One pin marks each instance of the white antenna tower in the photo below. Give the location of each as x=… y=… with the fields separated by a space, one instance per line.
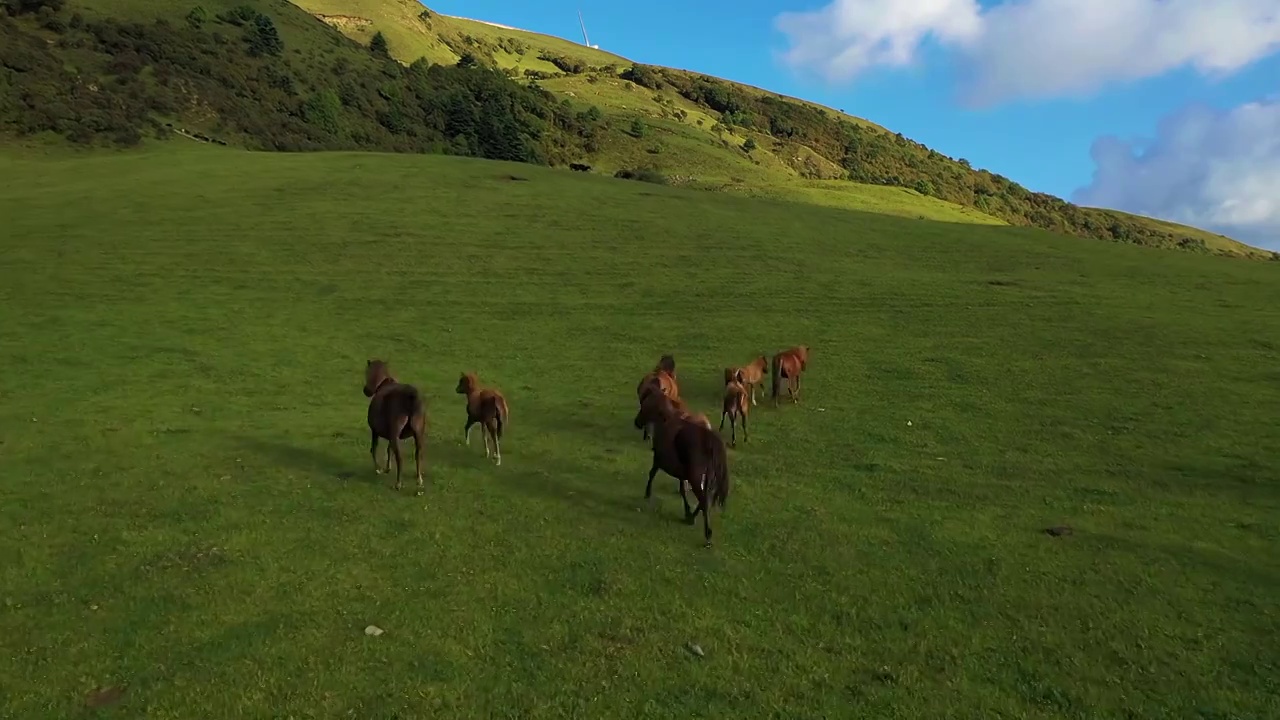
x=585 y=40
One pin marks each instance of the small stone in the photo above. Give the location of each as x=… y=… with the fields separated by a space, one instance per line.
x=1059 y=530
x=908 y=423
x=373 y=631
x=696 y=650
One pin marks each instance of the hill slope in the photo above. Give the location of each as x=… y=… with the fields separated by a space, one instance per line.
x=264 y=74
x=706 y=121
x=189 y=509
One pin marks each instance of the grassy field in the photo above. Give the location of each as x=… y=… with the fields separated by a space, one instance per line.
x=190 y=513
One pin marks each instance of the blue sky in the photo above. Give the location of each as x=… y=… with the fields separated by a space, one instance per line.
x=1178 y=101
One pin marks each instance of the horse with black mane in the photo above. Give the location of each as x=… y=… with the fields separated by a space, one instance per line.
x=686 y=448
x=397 y=411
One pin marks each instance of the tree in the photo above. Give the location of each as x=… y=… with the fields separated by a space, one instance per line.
x=638 y=128
x=749 y=145
x=263 y=38
x=378 y=45
x=197 y=17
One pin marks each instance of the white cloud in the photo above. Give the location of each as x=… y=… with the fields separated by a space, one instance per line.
x=1209 y=168
x=1035 y=48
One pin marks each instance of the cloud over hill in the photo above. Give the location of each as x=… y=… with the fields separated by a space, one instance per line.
x=1035 y=48
x=1205 y=167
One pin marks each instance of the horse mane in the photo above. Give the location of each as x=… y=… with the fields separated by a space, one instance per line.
x=667 y=364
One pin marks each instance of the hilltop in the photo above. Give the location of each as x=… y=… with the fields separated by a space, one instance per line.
x=307 y=79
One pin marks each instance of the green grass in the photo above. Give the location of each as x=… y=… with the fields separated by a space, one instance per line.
x=189 y=509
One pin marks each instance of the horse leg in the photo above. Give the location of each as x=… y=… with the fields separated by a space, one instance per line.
x=373 y=451
x=648 y=488
x=466 y=431
x=418 y=439
x=388 y=457
x=722 y=414
x=396 y=429
x=744 y=427
x=706 y=517
x=753 y=393
x=497 y=447
x=689 y=514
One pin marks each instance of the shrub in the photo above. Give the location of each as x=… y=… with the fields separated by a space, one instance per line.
x=643 y=175
x=378 y=45
x=638 y=128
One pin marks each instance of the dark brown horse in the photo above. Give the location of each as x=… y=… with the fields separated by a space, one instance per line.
x=396 y=412
x=486 y=406
x=735 y=407
x=752 y=375
x=789 y=365
x=692 y=453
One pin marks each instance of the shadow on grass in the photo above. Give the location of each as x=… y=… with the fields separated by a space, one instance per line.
x=320 y=462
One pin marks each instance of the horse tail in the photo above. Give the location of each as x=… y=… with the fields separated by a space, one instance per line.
x=503 y=415
x=417 y=403
x=717 y=468
x=774 y=372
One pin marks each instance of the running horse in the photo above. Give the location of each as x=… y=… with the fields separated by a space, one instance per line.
x=488 y=407
x=686 y=448
x=661 y=380
x=397 y=411
x=752 y=375
x=735 y=406
x=789 y=365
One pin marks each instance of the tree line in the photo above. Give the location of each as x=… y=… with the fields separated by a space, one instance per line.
x=234 y=70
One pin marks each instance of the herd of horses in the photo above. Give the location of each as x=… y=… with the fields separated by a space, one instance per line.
x=684 y=444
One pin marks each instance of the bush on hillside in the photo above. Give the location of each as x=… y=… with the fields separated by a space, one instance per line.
x=643 y=175
x=22 y=7
x=378 y=45
x=873 y=156
x=643 y=76
x=245 y=91
x=573 y=66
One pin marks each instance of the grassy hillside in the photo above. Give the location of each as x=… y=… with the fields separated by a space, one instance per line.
x=189 y=511
x=700 y=134
x=304 y=78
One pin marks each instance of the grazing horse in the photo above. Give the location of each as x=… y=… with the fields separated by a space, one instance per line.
x=735 y=407
x=486 y=406
x=788 y=365
x=692 y=453
x=396 y=412
x=752 y=375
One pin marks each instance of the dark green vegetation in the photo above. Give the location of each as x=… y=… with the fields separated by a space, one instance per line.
x=190 y=512
x=230 y=75
x=265 y=75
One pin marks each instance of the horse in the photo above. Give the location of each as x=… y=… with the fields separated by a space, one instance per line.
x=788 y=365
x=735 y=407
x=662 y=379
x=667 y=364
x=397 y=411
x=752 y=375
x=692 y=453
x=486 y=406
